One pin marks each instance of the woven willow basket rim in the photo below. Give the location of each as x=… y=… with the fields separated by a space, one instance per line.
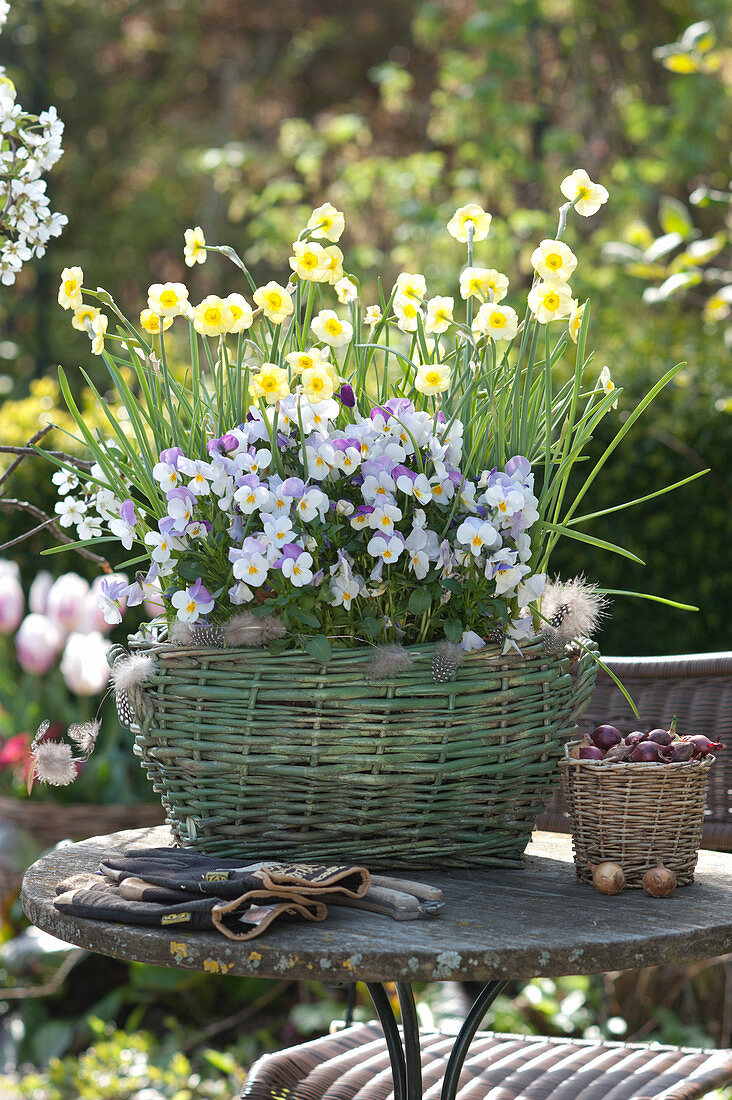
x=631 y=767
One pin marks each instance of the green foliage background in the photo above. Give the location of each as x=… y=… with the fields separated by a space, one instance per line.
x=239 y=118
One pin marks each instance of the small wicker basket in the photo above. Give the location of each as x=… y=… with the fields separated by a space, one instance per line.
x=636 y=815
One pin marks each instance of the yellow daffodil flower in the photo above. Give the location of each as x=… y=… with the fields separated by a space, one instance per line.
x=270 y=383
x=168 y=299
x=154 y=324
x=590 y=196
x=474 y=215
x=241 y=312
x=274 y=301
x=326 y=221
x=575 y=319
x=411 y=286
x=553 y=260
x=99 y=331
x=82 y=315
x=372 y=316
x=498 y=322
x=212 y=317
x=304 y=360
x=329 y=328
x=335 y=263
x=432 y=378
x=482 y=282
x=439 y=315
x=195 y=246
x=310 y=261
x=407 y=313
x=346 y=290
x=317 y=384
x=550 y=301
x=69 y=293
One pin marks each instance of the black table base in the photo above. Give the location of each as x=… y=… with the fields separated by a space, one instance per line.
x=404 y=1047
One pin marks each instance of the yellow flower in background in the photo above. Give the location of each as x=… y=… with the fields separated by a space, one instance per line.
x=575 y=319
x=69 y=293
x=241 y=312
x=407 y=313
x=550 y=301
x=498 y=322
x=317 y=384
x=432 y=378
x=554 y=260
x=346 y=290
x=270 y=383
x=195 y=246
x=335 y=263
x=167 y=299
x=274 y=301
x=310 y=261
x=474 y=215
x=329 y=328
x=154 y=324
x=326 y=221
x=590 y=196
x=607 y=384
x=99 y=331
x=372 y=316
x=212 y=317
x=719 y=306
x=480 y=282
x=439 y=314
x=411 y=286
x=82 y=315
x=304 y=360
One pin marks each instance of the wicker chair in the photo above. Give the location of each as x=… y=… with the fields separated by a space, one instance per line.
x=697 y=689
x=354 y=1065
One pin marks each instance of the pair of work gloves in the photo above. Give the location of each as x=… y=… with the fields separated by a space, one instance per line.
x=171 y=887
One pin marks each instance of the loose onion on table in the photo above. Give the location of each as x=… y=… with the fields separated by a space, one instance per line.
x=659 y=882
x=608 y=878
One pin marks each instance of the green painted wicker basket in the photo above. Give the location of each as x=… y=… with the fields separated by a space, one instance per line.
x=282 y=757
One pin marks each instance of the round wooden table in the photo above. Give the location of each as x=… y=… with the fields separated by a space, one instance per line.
x=497 y=925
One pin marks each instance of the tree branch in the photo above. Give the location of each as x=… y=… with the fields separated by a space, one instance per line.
x=48 y=522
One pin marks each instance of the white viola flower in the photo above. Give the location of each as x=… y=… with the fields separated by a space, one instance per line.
x=388 y=548
x=471 y=642
x=297 y=570
x=256 y=463
x=418 y=487
x=312 y=503
x=163 y=542
x=378 y=488
x=199 y=472
x=505 y=501
x=197 y=529
x=344 y=508
x=478 y=535
x=252 y=498
x=523 y=546
x=192 y=602
x=252 y=569
x=124 y=526
x=416 y=545
x=240 y=593
x=317 y=415
x=531 y=589
x=109 y=595
x=467 y=496
x=166 y=476
x=277 y=529
x=506 y=571
x=348 y=461
x=70 y=511
x=384 y=516
x=180 y=508
x=65 y=481
x=443 y=489
x=320 y=460
x=344 y=590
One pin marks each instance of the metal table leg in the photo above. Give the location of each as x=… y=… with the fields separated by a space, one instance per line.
x=404 y=1047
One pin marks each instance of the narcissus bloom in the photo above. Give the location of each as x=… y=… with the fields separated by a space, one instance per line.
x=498 y=322
x=329 y=328
x=154 y=324
x=326 y=221
x=411 y=286
x=317 y=384
x=241 y=312
x=99 y=331
x=335 y=263
x=82 y=315
x=407 y=313
x=167 y=299
x=274 y=301
x=304 y=360
x=608 y=386
x=432 y=378
x=575 y=320
x=474 y=215
x=481 y=282
x=372 y=316
x=69 y=293
x=554 y=260
x=195 y=246
x=439 y=314
x=310 y=261
x=550 y=301
x=590 y=196
x=212 y=317
x=346 y=290
x=270 y=383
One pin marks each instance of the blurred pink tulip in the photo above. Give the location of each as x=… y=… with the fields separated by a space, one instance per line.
x=12 y=603
x=84 y=663
x=37 y=644
x=66 y=601
x=39 y=589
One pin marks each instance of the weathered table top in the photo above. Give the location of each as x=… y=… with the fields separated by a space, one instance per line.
x=495 y=924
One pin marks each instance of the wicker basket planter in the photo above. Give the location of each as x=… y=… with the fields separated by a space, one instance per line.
x=281 y=757
x=636 y=815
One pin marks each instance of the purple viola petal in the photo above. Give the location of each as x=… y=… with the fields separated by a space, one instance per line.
x=292 y=550
x=364 y=510
x=379 y=410
x=318 y=577
x=127 y=512
x=182 y=493
x=518 y=466
x=166 y=525
x=403 y=471
x=135 y=594
x=292 y=487
x=344 y=444
x=171 y=456
x=250 y=480
x=199 y=592
x=113 y=588
x=455 y=477
x=347 y=396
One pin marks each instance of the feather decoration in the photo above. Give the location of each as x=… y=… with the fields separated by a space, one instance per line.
x=388 y=661
x=571 y=609
x=132 y=672
x=246 y=629
x=446 y=661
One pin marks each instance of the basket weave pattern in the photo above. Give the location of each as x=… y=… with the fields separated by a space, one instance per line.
x=265 y=756
x=636 y=815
